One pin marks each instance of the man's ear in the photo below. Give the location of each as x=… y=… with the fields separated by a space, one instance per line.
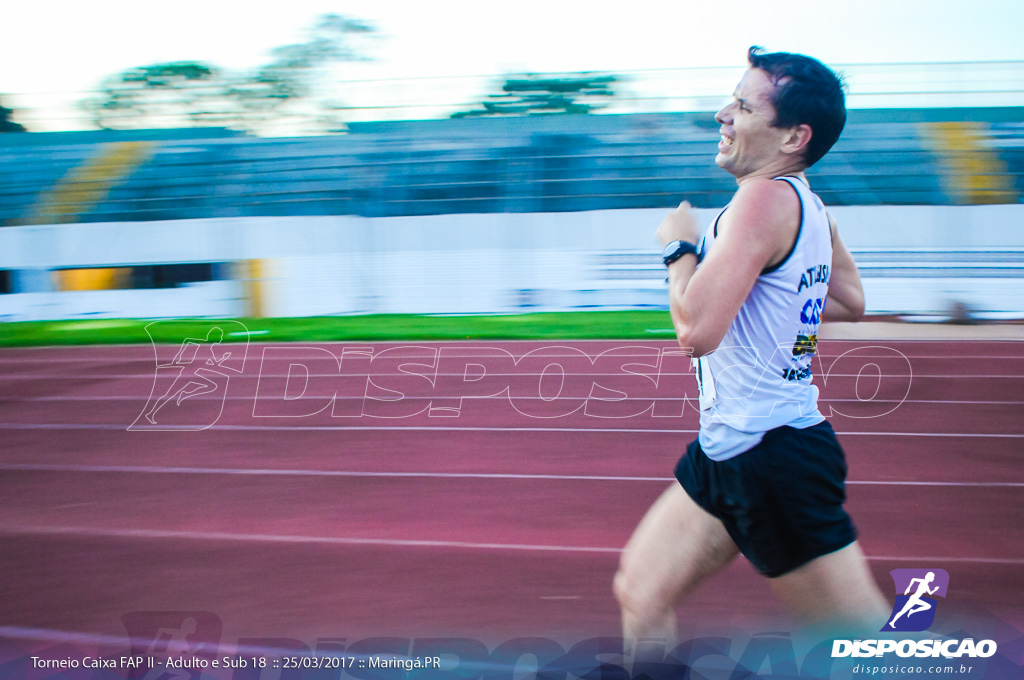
x=798 y=138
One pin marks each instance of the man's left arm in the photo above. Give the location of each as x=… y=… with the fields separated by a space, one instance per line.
x=845 y=300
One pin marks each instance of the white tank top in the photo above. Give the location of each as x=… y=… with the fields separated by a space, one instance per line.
x=759 y=378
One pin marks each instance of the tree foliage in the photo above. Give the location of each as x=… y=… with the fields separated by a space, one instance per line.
x=146 y=96
x=6 y=124
x=287 y=89
x=295 y=71
x=534 y=95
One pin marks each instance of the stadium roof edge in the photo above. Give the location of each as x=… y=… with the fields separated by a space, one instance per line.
x=99 y=136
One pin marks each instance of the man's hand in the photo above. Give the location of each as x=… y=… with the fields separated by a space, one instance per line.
x=680 y=225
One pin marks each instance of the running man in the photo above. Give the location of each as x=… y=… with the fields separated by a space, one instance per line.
x=916 y=604
x=192 y=381
x=766 y=476
x=169 y=643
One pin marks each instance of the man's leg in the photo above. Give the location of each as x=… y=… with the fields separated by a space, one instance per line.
x=676 y=546
x=836 y=590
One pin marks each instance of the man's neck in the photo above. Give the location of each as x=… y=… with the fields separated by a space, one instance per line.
x=771 y=172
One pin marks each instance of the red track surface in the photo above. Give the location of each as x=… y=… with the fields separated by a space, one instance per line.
x=492 y=524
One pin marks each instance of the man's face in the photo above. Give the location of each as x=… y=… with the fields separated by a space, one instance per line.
x=749 y=142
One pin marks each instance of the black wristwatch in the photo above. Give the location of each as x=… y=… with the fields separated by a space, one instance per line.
x=676 y=249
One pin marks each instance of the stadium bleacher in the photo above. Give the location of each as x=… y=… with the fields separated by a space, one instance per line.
x=494 y=166
x=529 y=164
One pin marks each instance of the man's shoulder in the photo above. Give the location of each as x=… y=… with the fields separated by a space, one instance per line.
x=767 y=193
x=764 y=204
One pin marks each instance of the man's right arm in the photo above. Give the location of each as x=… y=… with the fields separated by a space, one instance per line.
x=845 y=292
x=758 y=229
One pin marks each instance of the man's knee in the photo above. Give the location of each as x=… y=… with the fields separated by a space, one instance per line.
x=633 y=589
x=621 y=585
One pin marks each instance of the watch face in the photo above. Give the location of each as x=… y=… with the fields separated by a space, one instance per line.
x=670 y=248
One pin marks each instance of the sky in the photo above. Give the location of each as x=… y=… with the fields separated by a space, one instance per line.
x=65 y=47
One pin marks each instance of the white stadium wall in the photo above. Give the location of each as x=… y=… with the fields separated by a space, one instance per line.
x=914 y=260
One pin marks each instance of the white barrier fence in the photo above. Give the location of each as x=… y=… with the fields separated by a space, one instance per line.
x=914 y=259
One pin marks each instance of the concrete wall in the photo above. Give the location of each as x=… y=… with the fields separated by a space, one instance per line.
x=914 y=259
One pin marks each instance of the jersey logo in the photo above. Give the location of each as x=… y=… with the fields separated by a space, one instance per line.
x=794 y=374
x=813 y=275
x=805 y=344
x=811 y=313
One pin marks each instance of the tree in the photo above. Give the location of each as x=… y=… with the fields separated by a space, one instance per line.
x=152 y=96
x=293 y=75
x=286 y=89
x=6 y=124
x=533 y=95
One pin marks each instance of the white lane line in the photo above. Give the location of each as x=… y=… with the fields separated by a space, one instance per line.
x=34 y=467
x=179 y=648
x=504 y=397
x=390 y=542
x=274 y=472
x=279 y=538
x=256 y=375
x=560 y=597
x=933 y=560
x=434 y=428
x=333 y=428
x=255 y=353
x=964 y=484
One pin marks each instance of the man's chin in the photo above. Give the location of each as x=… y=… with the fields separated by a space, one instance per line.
x=724 y=163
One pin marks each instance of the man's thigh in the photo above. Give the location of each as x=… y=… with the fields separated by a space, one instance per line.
x=837 y=589
x=676 y=545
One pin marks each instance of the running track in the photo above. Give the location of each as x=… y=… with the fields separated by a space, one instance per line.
x=490 y=524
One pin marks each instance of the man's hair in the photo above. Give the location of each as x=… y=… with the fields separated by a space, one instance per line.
x=806 y=92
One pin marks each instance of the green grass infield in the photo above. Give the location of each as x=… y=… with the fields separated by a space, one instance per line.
x=645 y=324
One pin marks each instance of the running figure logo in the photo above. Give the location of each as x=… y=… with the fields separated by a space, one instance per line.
x=201 y=366
x=162 y=635
x=914 y=610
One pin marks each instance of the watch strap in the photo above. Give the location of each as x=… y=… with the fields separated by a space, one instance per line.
x=676 y=249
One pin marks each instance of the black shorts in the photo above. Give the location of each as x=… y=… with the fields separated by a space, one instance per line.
x=781 y=501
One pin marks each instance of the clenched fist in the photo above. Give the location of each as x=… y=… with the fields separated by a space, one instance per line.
x=680 y=225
